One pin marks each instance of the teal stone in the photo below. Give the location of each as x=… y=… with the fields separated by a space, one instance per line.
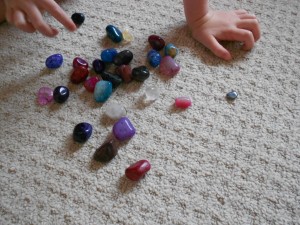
x=171 y=50
x=103 y=90
x=114 y=33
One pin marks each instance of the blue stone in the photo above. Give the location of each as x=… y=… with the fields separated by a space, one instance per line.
x=154 y=58
x=54 y=61
x=108 y=55
x=171 y=50
x=103 y=90
x=98 y=66
x=61 y=94
x=232 y=95
x=82 y=132
x=114 y=33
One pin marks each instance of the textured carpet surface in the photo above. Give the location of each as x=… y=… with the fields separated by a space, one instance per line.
x=214 y=163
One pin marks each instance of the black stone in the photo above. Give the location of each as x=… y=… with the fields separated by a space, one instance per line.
x=231 y=95
x=106 y=152
x=78 y=18
x=113 y=78
x=123 y=58
x=99 y=66
x=140 y=73
x=61 y=94
x=82 y=132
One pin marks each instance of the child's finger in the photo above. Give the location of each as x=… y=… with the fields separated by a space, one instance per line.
x=251 y=25
x=20 y=22
x=244 y=36
x=241 y=11
x=247 y=16
x=58 y=13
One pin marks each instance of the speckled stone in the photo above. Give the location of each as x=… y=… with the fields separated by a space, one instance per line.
x=54 y=61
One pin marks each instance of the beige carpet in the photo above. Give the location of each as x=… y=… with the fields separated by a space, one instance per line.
x=214 y=163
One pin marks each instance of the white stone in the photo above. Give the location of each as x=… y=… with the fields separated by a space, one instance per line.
x=151 y=93
x=115 y=111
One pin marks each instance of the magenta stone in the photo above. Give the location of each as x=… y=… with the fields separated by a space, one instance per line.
x=90 y=83
x=168 y=66
x=45 y=95
x=123 y=129
x=183 y=102
x=80 y=62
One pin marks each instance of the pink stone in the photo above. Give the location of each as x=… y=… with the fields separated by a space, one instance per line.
x=183 y=102
x=90 y=83
x=168 y=66
x=45 y=96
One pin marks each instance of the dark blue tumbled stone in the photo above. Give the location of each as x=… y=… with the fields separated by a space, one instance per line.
x=82 y=132
x=54 y=61
x=78 y=18
x=114 y=33
x=61 y=94
x=232 y=95
x=108 y=55
x=140 y=73
x=123 y=58
x=98 y=66
x=154 y=58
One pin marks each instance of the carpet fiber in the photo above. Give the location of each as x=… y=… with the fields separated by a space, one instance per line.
x=214 y=163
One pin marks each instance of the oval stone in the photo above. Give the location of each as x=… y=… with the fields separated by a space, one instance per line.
x=125 y=72
x=168 y=66
x=82 y=132
x=80 y=62
x=156 y=42
x=114 y=33
x=90 y=83
x=140 y=73
x=113 y=78
x=123 y=58
x=232 y=95
x=79 y=75
x=103 y=91
x=98 y=66
x=106 y=152
x=78 y=18
x=154 y=58
x=54 y=61
x=108 y=55
x=138 y=170
x=183 y=102
x=171 y=50
x=61 y=94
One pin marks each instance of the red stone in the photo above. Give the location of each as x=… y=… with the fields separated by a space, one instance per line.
x=125 y=72
x=79 y=62
x=138 y=170
x=156 y=42
x=79 y=75
x=183 y=102
x=90 y=83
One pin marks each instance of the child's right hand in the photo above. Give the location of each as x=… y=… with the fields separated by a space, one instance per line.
x=27 y=16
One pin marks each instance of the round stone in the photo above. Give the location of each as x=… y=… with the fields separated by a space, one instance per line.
x=140 y=73
x=98 y=66
x=115 y=111
x=154 y=58
x=61 y=94
x=82 y=132
x=171 y=50
x=54 y=61
x=183 y=102
x=114 y=33
x=80 y=62
x=103 y=91
x=151 y=93
x=108 y=55
x=106 y=152
x=168 y=66
x=138 y=170
x=78 y=18
x=123 y=58
x=90 y=83
x=156 y=42
x=45 y=95
x=79 y=75
x=232 y=95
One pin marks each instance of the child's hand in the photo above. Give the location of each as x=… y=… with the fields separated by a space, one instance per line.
x=216 y=26
x=26 y=15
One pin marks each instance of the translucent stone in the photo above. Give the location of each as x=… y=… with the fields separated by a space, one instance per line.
x=127 y=37
x=183 y=102
x=168 y=66
x=115 y=111
x=45 y=95
x=151 y=93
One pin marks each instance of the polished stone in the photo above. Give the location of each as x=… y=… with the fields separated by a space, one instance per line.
x=80 y=62
x=140 y=73
x=108 y=55
x=152 y=93
x=115 y=80
x=79 y=75
x=115 y=111
x=114 y=33
x=232 y=95
x=123 y=58
x=61 y=94
x=168 y=66
x=156 y=42
x=103 y=91
x=78 y=18
x=154 y=58
x=123 y=129
x=45 y=95
x=90 y=83
x=106 y=152
x=171 y=50
x=82 y=132
x=125 y=72
x=54 y=61
x=98 y=66
x=183 y=102
x=137 y=170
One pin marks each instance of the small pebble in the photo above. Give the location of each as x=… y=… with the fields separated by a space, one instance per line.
x=123 y=129
x=115 y=111
x=114 y=33
x=106 y=152
x=45 y=95
x=140 y=73
x=80 y=62
x=113 y=78
x=125 y=72
x=103 y=91
x=79 y=75
x=232 y=95
x=151 y=93
x=78 y=18
x=156 y=42
x=98 y=66
x=127 y=37
x=154 y=58
x=171 y=50
x=168 y=66
x=54 y=61
x=138 y=170
x=123 y=58
x=108 y=55
x=183 y=102
x=82 y=132
x=61 y=94
x=90 y=83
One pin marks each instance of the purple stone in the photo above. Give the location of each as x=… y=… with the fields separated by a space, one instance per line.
x=45 y=95
x=123 y=129
x=168 y=66
x=54 y=61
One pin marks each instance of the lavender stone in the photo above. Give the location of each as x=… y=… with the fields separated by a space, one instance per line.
x=123 y=129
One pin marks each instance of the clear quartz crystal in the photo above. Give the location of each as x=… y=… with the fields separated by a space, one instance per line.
x=127 y=37
x=115 y=111
x=151 y=93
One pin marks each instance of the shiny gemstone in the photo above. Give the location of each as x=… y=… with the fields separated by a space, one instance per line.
x=103 y=90
x=138 y=170
x=123 y=129
x=45 y=95
x=171 y=50
x=78 y=18
x=106 y=152
x=98 y=66
x=156 y=42
x=79 y=75
x=113 y=78
x=232 y=95
x=61 y=94
x=123 y=58
x=115 y=111
x=151 y=93
x=80 y=62
x=140 y=73
x=183 y=102
x=54 y=61
x=124 y=71
x=168 y=66
x=82 y=132
x=108 y=55
x=154 y=58
x=90 y=83
x=114 y=33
